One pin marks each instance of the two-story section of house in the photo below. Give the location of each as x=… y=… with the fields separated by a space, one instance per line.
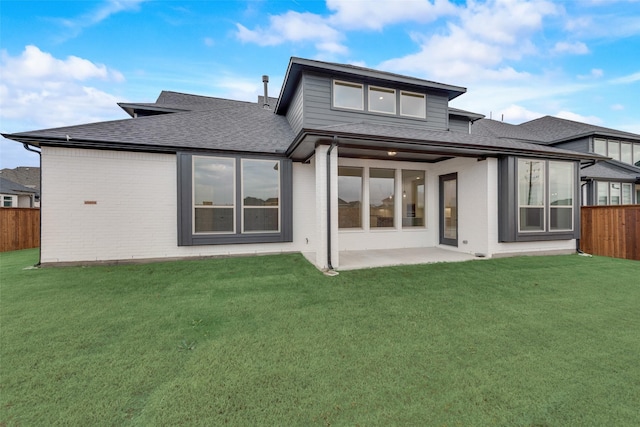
x=346 y=158
x=614 y=181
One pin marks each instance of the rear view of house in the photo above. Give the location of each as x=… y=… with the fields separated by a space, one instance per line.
x=345 y=158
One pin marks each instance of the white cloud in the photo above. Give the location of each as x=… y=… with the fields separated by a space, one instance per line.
x=617 y=107
x=99 y=14
x=516 y=114
x=39 y=90
x=480 y=44
x=578 y=117
x=34 y=64
x=374 y=15
x=631 y=78
x=575 y=48
x=294 y=27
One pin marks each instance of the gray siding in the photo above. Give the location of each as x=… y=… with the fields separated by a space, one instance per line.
x=319 y=113
x=459 y=124
x=581 y=145
x=295 y=112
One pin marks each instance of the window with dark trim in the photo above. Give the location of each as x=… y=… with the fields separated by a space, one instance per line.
x=538 y=200
x=226 y=199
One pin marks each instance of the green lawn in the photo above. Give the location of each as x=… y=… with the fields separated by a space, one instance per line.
x=271 y=341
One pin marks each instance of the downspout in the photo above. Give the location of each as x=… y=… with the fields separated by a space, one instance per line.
x=39 y=153
x=334 y=143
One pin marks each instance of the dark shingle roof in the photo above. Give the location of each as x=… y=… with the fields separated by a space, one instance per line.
x=494 y=128
x=229 y=126
x=453 y=139
x=553 y=129
x=28 y=176
x=611 y=170
x=9 y=187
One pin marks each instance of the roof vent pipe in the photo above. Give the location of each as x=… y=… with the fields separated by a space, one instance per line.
x=265 y=102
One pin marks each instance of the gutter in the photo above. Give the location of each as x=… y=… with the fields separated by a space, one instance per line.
x=39 y=153
x=334 y=144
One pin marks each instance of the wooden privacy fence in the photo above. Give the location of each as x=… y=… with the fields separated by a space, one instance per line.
x=611 y=231
x=19 y=228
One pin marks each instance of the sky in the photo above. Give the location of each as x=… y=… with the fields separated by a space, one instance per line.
x=69 y=62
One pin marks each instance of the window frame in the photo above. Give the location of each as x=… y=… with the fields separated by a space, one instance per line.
x=244 y=206
x=415 y=95
x=390 y=91
x=349 y=84
x=508 y=203
x=185 y=206
x=195 y=207
x=361 y=212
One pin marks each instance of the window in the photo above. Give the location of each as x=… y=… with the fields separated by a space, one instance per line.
x=413 y=198
x=603 y=193
x=382 y=100
x=627 y=194
x=614 y=149
x=600 y=146
x=213 y=195
x=230 y=199
x=535 y=195
x=531 y=194
x=614 y=193
x=349 y=197
x=538 y=200
x=7 y=201
x=348 y=95
x=561 y=193
x=413 y=105
x=636 y=154
x=381 y=197
x=626 y=154
x=260 y=195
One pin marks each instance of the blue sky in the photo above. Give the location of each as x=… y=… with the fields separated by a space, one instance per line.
x=69 y=62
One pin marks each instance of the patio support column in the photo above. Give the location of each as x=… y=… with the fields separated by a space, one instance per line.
x=322 y=225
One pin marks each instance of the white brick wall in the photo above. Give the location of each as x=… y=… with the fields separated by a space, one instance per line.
x=107 y=205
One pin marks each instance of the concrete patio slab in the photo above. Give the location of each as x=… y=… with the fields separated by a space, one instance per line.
x=354 y=260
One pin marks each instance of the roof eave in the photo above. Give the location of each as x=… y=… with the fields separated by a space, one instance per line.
x=451 y=148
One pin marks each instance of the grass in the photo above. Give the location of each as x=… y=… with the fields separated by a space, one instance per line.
x=271 y=341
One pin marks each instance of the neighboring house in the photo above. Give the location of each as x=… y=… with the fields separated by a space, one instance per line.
x=14 y=195
x=346 y=158
x=25 y=176
x=615 y=181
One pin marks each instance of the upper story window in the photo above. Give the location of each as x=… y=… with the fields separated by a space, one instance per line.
x=626 y=152
x=413 y=104
x=382 y=100
x=348 y=95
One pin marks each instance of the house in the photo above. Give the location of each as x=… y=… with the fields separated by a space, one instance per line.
x=14 y=195
x=614 y=181
x=20 y=187
x=346 y=158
